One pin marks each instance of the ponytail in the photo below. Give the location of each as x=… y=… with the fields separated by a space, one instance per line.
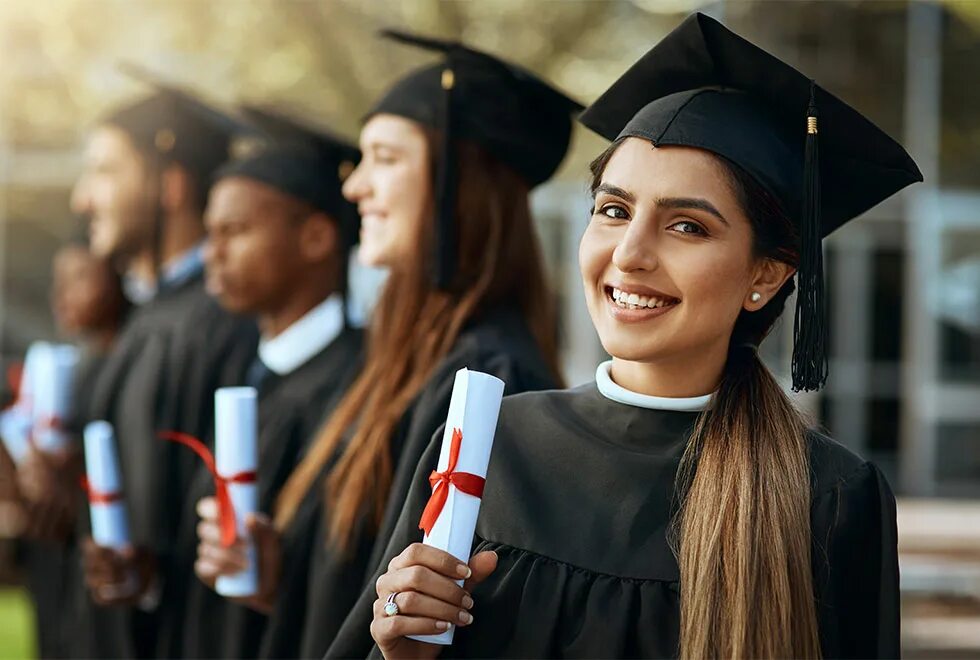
x=743 y=528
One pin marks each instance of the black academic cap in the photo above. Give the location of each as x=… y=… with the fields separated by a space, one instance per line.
x=306 y=162
x=704 y=86
x=513 y=114
x=176 y=125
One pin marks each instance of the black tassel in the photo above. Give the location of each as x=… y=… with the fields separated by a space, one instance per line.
x=445 y=234
x=810 y=326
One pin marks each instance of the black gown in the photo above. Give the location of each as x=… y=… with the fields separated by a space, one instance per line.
x=319 y=584
x=291 y=406
x=578 y=500
x=173 y=352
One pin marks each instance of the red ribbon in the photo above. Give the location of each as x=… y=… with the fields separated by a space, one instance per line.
x=15 y=378
x=50 y=423
x=464 y=482
x=99 y=497
x=226 y=510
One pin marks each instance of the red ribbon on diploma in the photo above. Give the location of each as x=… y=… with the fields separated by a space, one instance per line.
x=464 y=482
x=49 y=423
x=226 y=510
x=98 y=497
x=15 y=378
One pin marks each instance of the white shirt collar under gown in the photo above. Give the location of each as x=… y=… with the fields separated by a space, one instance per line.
x=306 y=337
x=614 y=392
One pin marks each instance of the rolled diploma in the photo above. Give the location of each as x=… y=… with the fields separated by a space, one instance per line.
x=52 y=384
x=236 y=450
x=110 y=527
x=473 y=409
x=16 y=422
x=15 y=429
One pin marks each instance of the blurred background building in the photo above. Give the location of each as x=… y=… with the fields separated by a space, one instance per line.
x=904 y=280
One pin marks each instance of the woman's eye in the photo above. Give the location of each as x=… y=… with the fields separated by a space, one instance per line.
x=614 y=211
x=687 y=227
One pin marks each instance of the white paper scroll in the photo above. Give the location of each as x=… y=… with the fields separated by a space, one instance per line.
x=52 y=383
x=16 y=423
x=473 y=410
x=236 y=452
x=110 y=527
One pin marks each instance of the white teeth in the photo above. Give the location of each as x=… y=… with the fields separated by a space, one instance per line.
x=636 y=301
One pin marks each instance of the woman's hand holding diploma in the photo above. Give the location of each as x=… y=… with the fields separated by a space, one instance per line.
x=428 y=598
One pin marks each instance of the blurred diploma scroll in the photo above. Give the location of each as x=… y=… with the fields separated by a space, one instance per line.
x=468 y=437
x=110 y=527
x=52 y=385
x=17 y=421
x=236 y=457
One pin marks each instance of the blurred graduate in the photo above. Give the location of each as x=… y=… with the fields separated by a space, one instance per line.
x=89 y=308
x=147 y=172
x=279 y=233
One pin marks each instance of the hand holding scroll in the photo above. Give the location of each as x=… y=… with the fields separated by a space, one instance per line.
x=429 y=599
x=214 y=558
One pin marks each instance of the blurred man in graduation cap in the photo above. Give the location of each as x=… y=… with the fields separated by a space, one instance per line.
x=147 y=171
x=279 y=232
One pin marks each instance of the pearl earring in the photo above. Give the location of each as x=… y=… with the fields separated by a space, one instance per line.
x=755 y=297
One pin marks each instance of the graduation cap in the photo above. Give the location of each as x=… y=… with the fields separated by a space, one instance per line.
x=517 y=117
x=176 y=125
x=305 y=162
x=704 y=86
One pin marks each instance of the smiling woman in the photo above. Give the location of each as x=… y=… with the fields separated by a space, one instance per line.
x=659 y=234
x=680 y=505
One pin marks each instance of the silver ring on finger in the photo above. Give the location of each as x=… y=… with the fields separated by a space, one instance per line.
x=391 y=607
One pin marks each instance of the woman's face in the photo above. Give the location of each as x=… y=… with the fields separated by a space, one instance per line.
x=667 y=258
x=392 y=187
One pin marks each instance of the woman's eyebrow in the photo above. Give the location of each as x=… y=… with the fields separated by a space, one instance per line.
x=610 y=189
x=691 y=203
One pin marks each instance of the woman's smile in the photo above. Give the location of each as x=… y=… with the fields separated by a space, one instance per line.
x=634 y=305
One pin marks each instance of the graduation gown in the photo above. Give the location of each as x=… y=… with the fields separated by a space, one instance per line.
x=291 y=406
x=319 y=583
x=577 y=504
x=173 y=352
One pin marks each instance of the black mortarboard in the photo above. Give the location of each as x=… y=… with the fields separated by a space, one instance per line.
x=176 y=125
x=513 y=114
x=704 y=86
x=306 y=162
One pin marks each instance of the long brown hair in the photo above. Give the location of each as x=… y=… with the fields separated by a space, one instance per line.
x=415 y=326
x=742 y=528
